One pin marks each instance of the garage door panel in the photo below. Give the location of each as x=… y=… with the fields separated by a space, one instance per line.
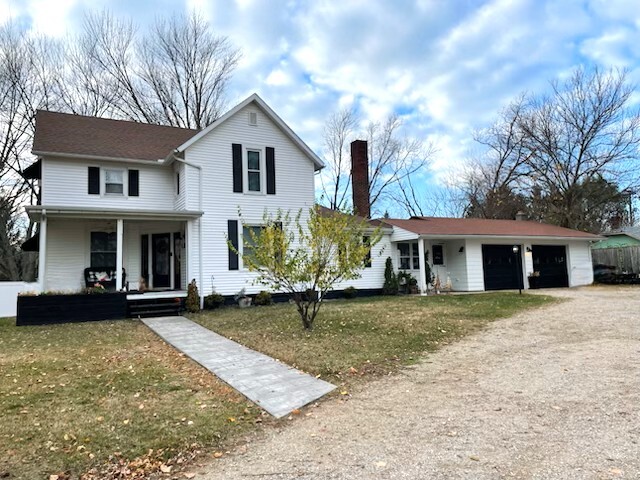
x=551 y=262
x=500 y=267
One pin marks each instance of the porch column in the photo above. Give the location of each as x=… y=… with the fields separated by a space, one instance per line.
x=119 y=235
x=42 y=253
x=422 y=281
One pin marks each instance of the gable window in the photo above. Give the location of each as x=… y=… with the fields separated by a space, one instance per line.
x=409 y=259
x=103 y=249
x=114 y=181
x=254 y=181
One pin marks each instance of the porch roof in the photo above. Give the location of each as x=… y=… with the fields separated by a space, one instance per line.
x=36 y=212
x=440 y=227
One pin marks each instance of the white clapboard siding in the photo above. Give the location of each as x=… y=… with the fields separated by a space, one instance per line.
x=294 y=192
x=372 y=277
x=67 y=247
x=65 y=183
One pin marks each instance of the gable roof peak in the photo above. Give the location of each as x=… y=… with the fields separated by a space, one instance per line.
x=266 y=109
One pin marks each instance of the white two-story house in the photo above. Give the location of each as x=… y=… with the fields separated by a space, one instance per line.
x=160 y=203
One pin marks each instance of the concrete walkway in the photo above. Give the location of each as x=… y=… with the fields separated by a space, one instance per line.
x=272 y=385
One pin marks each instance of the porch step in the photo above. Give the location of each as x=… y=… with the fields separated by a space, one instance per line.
x=154 y=307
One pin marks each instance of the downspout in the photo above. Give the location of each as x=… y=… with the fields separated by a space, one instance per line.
x=201 y=279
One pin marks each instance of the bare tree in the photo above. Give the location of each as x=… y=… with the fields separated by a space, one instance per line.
x=335 y=180
x=395 y=161
x=175 y=74
x=557 y=148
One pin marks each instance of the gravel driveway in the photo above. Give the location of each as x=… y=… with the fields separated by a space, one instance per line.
x=551 y=393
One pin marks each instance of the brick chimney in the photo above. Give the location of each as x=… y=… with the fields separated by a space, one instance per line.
x=521 y=216
x=360 y=178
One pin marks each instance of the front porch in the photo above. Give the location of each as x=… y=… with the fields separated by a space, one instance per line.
x=136 y=252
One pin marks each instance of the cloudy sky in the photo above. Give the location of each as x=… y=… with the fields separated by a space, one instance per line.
x=446 y=66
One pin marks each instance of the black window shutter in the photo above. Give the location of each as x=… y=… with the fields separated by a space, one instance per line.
x=236 y=150
x=271 y=171
x=232 y=235
x=94 y=181
x=134 y=183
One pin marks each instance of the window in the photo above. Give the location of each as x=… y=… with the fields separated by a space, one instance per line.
x=254 y=182
x=367 y=259
x=438 y=255
x=114 y=181
x=253 y=118
x=409 y=258
x=248 y=240
x=103 y=250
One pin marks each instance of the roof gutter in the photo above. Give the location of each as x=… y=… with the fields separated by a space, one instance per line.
x=505 y=237
x=94 y=157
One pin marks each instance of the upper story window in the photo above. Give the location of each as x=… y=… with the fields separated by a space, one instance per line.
x=114 y=181
x=254 y=174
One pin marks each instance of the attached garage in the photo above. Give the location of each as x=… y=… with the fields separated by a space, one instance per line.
x=551 y=263
x=476 y=254
x=502 y=268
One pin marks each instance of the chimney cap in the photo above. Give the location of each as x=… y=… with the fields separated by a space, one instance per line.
x=520 y=216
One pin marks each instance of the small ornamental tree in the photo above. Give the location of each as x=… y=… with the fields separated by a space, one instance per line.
x=306 y=259
x=192 y=304
x=390 y=286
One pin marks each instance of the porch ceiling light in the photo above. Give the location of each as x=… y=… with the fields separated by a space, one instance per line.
x=516 y=248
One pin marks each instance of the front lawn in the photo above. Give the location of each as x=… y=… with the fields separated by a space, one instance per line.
x=355 y=338
x=111 y=396
x=74 y=395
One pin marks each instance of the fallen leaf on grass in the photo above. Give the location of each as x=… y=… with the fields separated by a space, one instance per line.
x=165 y=468
x=217 y=455
x=188 y=475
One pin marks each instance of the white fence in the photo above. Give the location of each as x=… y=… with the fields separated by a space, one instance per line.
x=9 y=296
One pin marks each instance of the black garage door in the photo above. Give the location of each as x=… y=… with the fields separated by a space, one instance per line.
x=500 y=266
x=551 y=262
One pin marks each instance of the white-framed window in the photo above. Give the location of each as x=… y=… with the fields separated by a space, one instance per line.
x=103 y=250
x=409 y=258
x=254 y=171
x=114 y=181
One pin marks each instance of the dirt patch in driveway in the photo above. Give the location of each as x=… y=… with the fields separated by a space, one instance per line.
x=551 y=393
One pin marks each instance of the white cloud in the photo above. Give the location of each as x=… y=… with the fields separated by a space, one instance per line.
x=449 y=67
x=50 y=18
